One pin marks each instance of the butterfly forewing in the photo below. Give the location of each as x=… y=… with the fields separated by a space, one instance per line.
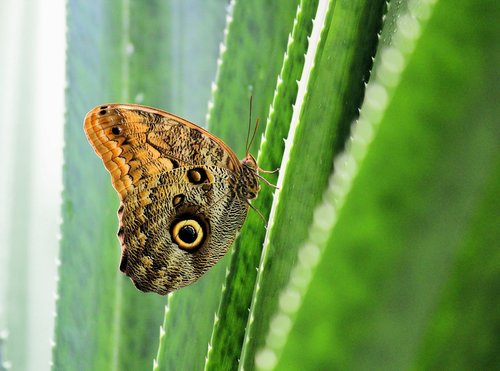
x=137 y=141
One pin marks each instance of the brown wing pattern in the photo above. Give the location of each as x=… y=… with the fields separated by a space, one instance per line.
x=184 y=194
x=150 y=255
x=137 y=141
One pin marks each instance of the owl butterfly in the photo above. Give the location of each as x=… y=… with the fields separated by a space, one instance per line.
x=184 y=194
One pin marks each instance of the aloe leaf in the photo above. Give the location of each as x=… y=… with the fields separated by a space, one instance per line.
x=94 y=296
x=348 y=41
x=410 y=269
x=251 y=58
x=229 y=328
x=118 y=51
x=463 y=334
x=88 y=251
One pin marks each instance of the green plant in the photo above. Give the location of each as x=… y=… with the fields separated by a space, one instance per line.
x=384 y=258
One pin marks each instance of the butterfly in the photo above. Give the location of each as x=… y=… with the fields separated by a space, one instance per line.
x=184 y=195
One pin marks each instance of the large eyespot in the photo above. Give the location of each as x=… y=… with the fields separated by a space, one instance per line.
x=116 y=130
x=188 y=234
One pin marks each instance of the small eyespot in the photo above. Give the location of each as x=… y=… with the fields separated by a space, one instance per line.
x=187 y=234
x=197 y=175
x=178 y=200
x=116 y=130
x=104 y=107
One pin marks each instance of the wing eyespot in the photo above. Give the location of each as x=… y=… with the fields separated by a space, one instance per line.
x=178 y=200
x=116 y=130
x=197 y=175
x=188 y=233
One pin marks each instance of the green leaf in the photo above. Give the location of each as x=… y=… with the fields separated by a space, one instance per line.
x=89 y=251
x=232 y=316
x=410 y=270
x=342 y=61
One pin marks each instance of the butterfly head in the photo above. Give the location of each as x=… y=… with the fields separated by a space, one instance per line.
x=250 y=162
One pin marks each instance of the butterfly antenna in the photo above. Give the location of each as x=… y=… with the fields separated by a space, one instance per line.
x=249 y=142
x=249 y=123
x=254 y=132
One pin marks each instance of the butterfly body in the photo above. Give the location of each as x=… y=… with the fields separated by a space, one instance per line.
x=184 y=194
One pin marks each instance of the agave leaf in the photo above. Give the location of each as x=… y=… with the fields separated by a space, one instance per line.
x=232 y=316
x=343 y=42
x=409 y=268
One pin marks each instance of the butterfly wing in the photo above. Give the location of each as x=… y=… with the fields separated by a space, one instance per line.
x=172 y=230
x=179 y=211
x=135 y=142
